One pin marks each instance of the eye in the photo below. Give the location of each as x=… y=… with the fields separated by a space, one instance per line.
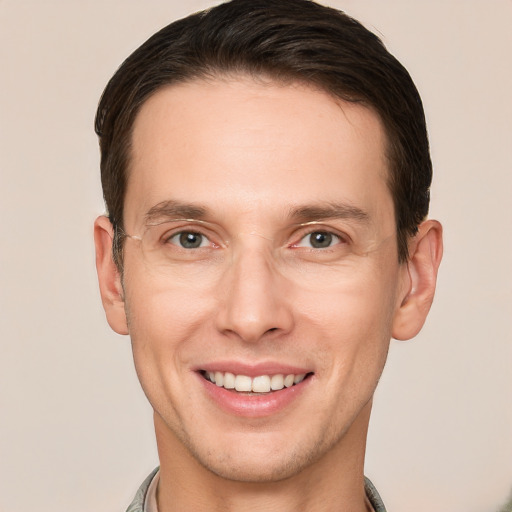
x=319 y=240
x=189 y=240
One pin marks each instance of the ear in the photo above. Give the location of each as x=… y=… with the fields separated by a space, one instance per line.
x=109 y=277
x=420 y=275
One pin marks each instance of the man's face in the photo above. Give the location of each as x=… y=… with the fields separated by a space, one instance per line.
x=279 y=258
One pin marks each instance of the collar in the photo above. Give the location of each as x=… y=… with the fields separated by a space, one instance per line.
x=145 y=498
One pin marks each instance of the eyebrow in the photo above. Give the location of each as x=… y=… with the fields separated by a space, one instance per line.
x=174 y=209
x=313 y=213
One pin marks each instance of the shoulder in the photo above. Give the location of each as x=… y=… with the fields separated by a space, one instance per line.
x=137 y=505
x=373 y=496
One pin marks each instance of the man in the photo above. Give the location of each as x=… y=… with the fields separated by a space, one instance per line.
x=266 y=171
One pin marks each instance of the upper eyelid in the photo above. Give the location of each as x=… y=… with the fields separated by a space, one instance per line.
x=171 y=233
x=187 y=225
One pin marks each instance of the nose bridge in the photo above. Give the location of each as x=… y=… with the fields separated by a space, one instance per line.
x=254 y=292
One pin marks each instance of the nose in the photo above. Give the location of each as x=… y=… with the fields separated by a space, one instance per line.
x=255 y=302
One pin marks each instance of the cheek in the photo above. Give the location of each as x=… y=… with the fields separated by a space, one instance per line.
x=162 y=317
x=352 y=321
x=162 y=321
x=353 y=299
x=161 y=306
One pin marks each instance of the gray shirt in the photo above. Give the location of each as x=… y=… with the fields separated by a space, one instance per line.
x=139 y=502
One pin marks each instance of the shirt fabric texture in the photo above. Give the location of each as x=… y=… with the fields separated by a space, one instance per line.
x=145 y=499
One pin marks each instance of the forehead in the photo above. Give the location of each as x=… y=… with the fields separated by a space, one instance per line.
x=253 y=147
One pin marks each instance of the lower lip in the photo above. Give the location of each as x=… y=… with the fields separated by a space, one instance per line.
x=256 y=405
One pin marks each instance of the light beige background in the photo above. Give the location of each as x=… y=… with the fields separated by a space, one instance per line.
x=75 y=429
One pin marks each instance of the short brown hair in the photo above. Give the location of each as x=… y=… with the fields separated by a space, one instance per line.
x=288 y=41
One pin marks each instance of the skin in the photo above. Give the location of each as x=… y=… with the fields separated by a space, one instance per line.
x=250 y=154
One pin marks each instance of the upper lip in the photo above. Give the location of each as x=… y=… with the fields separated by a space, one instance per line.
x=253 y=369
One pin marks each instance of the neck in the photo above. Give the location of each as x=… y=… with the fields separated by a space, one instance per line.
x=333 y=483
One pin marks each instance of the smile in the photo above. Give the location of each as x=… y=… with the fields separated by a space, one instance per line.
x=258 y=384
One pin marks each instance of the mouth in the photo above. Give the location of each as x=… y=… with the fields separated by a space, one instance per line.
x=258 y=385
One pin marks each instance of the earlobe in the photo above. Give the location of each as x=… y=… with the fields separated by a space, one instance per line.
x=109 y=277
x=425 y=253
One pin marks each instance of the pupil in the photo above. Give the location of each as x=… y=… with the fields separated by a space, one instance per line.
x=320 y=240
x=190 y=240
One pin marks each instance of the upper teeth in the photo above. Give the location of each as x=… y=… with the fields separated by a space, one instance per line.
x=259 y=384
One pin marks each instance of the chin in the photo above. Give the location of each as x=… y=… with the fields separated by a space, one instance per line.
x=260 y=459
x=247 y=469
